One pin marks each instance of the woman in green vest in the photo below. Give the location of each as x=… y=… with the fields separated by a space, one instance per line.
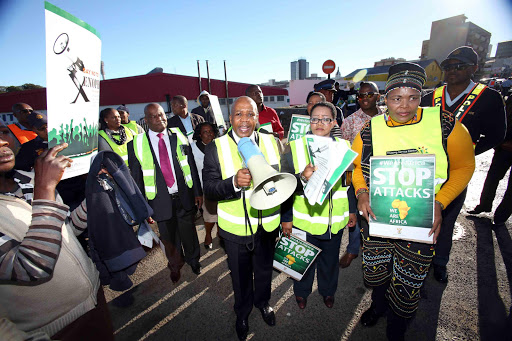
x=397 y=268
x=323 y=224
x=112 y=135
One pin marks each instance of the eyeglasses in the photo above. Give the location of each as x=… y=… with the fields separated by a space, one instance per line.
x=363 y=95
x=325 y=120
x=25 y=111
x=456 y=67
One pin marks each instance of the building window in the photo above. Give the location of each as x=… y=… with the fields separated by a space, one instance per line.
x=271 y=98
x=222 y=101
x=265 y=99
x=230 y=101
x=280 y=98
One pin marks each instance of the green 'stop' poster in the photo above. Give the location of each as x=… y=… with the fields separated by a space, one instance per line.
x=299 y=126
x=402 y=196
x=293 y=256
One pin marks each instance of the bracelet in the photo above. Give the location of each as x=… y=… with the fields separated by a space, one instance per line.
x=360 y=191
x=440 y=204
x=303 y=178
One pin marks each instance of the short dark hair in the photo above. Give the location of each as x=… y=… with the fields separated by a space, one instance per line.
x=104 y=113
x=197 y=131
x=325 y=105
x=180 y=98
x=247 y=90
x=372 y=84
x=314 y=93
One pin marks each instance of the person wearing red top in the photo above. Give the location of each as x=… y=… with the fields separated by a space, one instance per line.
x=266 y=114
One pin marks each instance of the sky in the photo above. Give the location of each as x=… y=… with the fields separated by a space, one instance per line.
x=258 y=39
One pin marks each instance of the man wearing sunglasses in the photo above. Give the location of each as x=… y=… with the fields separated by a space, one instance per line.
x=482 y=112
x=22 y=129
x=367 y=98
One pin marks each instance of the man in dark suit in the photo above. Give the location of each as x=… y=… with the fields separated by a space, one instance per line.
x=182 y=119
x=162 y=165
x=204 y=109
x=250 y=249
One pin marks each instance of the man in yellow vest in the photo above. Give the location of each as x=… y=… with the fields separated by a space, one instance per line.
x=22 y=130
x=163 y=167
x=481 y=110
x=126 y=122
x=249 y=234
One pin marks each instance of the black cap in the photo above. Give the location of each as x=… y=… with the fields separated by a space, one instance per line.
x=123 y=108
x=37 y=119
x=405 y=75
x=327 y=84
x=465 y=54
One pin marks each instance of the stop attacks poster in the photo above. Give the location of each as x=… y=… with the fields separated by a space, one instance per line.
x=73 y=60
x=402 y=196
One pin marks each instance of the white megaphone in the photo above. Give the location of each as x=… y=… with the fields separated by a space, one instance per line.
x=271 y=188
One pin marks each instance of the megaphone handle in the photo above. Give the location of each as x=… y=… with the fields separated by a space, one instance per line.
x=247 y=222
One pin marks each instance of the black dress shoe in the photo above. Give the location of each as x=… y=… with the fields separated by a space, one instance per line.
x=268 y=315
x=242 y=328
x=196 y=268
x=329 y=301
x=479 y=209
x=175 y=276
x=370 y=317
x=440 y=273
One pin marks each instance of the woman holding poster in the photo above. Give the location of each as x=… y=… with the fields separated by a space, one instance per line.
x=397 y=268
x=322 y=223
x=113 y=135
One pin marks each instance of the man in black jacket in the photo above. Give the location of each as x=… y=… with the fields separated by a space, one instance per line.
x=482 y=112
x=182 y=119
x=162 y=165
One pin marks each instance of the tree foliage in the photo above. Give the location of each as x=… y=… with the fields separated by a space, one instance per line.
x=13 y=88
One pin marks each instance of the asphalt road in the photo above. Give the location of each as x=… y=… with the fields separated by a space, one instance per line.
x=474 y=305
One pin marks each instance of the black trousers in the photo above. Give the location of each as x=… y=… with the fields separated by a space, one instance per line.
x=251 y=271
x=501 y=162
x=179 y=237
x=444 y=240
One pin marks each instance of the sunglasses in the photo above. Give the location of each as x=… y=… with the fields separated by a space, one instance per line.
x=456 y=67
x=25 y=111
x=325 y=120
x=363 y=95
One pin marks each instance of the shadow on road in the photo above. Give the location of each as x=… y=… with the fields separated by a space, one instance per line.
x=494 y=318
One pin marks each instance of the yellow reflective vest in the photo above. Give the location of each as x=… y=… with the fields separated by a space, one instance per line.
x=231 y=214
x=132 y=125
x=145 y=158
x=122 y=149
x=423 y=137
x=316 y=219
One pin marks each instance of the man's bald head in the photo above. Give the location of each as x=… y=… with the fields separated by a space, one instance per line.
x=155 y=117
x=21 y=112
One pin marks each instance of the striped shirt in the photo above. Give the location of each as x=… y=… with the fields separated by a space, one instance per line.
x=32 y=261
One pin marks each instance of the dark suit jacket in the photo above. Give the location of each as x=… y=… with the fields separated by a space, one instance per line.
x=175 y=122
x=162 y=204
x=207 y=115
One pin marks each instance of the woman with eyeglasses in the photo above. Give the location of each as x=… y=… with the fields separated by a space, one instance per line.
x=323 y=223
x=396 y=268
x=317 y=97
x=113 y=135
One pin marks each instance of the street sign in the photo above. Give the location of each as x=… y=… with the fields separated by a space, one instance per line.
x=328 y=66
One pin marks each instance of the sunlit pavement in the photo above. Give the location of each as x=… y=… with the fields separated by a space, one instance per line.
x=475 y=304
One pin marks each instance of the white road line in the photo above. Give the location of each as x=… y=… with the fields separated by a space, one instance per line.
x=223 y=275
x=175 y=313
x=361 y=307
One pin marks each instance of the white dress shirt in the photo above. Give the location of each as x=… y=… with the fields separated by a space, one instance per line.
x=153 y=138
x=450 y=102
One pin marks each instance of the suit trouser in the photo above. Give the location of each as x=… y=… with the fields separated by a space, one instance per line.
x=444 y=240
x=177 y=232
x=501 y=162
x=244 y=263
x=328 y=267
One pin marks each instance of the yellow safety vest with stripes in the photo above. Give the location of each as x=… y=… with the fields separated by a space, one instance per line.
x=317 y=219
x=423 y=137
x=231 y=214
x=132 y=125
x=122 y=149
x=143 y=154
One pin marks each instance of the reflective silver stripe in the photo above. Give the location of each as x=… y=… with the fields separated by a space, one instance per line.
x=339 y=194
x=188 y=177
x=229 y=166
x=147 y=172
x=300 y=154
x=124 y=157
x=4 y=239
x=180 y=135
x=184 y=162
x=438 y=181
x=318 y=220
x=140 y=138
x=269 y=146
x=241 y=220
x=150 y=189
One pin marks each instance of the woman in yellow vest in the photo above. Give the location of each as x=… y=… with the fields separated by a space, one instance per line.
x=396 y=268
x=323 y=224
x=112 y=135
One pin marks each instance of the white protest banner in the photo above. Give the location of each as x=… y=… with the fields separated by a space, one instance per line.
x=217 y=111
x=73 y=60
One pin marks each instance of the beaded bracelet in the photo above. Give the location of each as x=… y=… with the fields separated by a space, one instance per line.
x=360 y=191
x=440 y=204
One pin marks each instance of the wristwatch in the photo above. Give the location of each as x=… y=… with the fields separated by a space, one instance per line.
x=303 y=178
